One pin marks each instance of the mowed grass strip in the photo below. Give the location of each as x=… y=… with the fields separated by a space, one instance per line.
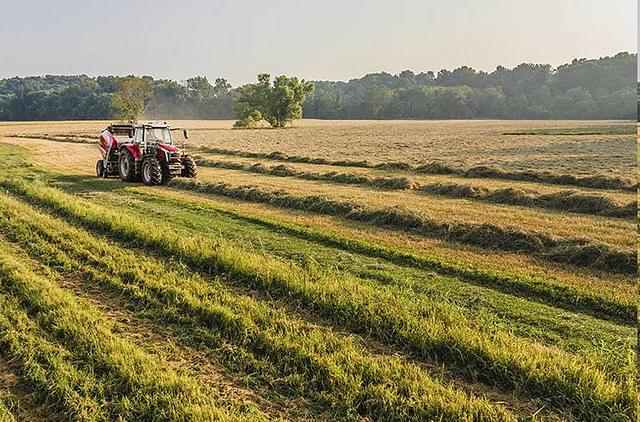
x=612 y=232
x=135 y=385
x=612 y=349
x=434 y=331
x=335 y=367
x=599 y=181
x=573 y=298
x=565 y=200
x=46 y=366
x=574 y=251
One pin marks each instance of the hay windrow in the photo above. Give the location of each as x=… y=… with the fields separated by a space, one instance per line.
x=597 y=181
x=392 y=183
x=578 y=252
x=566 y=200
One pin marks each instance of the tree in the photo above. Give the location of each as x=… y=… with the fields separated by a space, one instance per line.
x=221 y=87
x=133 y=96
x=279 y=103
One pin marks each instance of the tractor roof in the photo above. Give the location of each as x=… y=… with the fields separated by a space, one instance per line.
x=130 y=126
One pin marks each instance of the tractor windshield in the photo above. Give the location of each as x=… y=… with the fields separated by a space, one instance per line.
x=158 y=134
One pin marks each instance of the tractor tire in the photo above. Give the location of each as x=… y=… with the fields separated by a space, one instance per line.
x=151 y=171
x=100 y=170
x=189 y=168
x=166 y=174
x=127 y=167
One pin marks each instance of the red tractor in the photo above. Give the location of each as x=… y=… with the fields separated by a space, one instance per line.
x=144 y=151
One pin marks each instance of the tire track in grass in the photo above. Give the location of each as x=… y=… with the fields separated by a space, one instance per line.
x=137 y=385
x=182 y=350
x=20 y=402
x=501 y=360
x=385 y=387
x=161 y=342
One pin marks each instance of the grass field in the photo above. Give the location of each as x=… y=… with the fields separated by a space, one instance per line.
x=472 y=271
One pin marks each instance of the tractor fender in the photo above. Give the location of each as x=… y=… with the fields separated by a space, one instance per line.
x=134 y=150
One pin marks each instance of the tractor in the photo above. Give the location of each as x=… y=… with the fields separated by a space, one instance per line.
x=143 y=151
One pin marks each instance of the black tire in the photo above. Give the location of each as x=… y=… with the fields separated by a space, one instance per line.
x=189 y=168
x=127 y=166
x=100 y=170
x=166 y=174
x=151 y=171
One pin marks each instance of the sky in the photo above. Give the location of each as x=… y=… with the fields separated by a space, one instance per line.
x=319 y=40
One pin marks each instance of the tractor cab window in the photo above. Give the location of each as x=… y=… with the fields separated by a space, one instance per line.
x=138 y=137
x=158 y=134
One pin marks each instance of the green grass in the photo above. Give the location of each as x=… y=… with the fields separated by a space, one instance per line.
x=381 y=387
x=575 y=251
x=6 y=403
x=437 y=332
x=476 y=292
x=135 y=385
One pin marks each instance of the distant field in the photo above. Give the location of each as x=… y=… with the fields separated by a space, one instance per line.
x=454 y=270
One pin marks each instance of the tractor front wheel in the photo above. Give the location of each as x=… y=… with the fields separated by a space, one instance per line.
x=100 y=170
x=127 y=166
x=151 y=172
x=189 y=168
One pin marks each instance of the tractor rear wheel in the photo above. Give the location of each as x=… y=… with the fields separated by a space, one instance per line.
x=127 y=166
x=151 y=171
x=100 y=170
x=189 y=168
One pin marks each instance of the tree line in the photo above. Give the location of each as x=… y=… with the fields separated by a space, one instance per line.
x=603 y=88
x=82 y=97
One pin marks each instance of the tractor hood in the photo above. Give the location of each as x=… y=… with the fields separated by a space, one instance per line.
x=166 y=147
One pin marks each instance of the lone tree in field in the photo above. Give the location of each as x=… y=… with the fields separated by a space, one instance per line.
x=279 y=104
x=132 y=97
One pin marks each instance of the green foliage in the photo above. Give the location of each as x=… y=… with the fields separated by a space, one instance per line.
x=278 y=104
x=132 y=97
x=584 y=89
x=602 y=88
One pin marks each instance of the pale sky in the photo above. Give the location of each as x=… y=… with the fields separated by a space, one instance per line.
x=321 y=40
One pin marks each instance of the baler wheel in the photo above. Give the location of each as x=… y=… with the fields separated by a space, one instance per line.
x=100 y=170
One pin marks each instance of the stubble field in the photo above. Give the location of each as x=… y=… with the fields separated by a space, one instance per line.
x=362 y=270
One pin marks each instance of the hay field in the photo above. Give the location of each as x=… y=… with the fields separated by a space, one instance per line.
x=457 y=270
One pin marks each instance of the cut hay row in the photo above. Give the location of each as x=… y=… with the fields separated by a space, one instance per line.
x=598 y=181
x=429 y=330
x=577 y=252
x=311 y=360
x=571 y=297
x=74 y=139
x=120 y=379
x=566 y=200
